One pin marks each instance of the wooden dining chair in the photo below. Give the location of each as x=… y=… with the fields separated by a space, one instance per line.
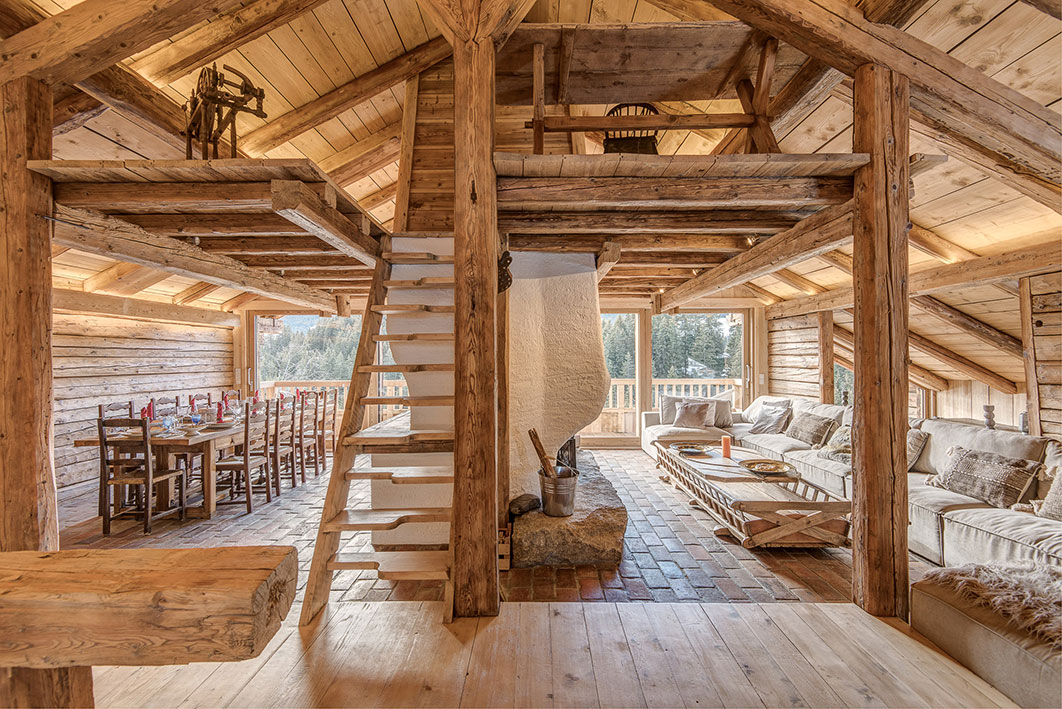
x=283 y=442
x=166 y=406
x=139 y=473
x=122 y=409
x=253 y=457
x=306 y=441
x=326 y=430
x=335 y=420
x=199 y=401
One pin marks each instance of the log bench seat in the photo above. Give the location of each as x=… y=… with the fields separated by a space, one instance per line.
x=142 y=606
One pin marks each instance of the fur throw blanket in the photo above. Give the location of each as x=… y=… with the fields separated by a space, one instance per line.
x=1028 y=596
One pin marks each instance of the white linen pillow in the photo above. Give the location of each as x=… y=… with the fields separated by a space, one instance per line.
x=724 y=418
x=772 y=419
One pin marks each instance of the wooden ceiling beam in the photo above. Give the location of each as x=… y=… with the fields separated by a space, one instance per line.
x=176 y=197
x=795 y=280
x=671 y=258
x=968 y=324
x=72 y=301
x=704 y=243
x=94 y=34
x=1048 y=7
x=923 y=344
x=124 y=279
x=662 y=121
x=307 y=117
x=608 y=257
x=237 y=224
x=517 y=193
x=195 y=292
x=223 y=34
x=290 y=263
x=239 y=245
x=994 y=120
x=919 y=375
x=817 y=234
x=296 y=202
x=101 y=234
x=73 y=110
x=722 y=221
x=365 y=157
x=978 y=271
x=380 y=196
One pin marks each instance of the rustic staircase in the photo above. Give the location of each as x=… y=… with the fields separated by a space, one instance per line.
x=409 y=307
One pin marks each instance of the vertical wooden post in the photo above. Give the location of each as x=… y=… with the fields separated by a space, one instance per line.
x=1028 y=348
x=759 y=353
x=473 y=534
x=826 y=356
x=503 y=402
x=879 y=505
x=643 y=364
x=538 y=84
x=28 y=514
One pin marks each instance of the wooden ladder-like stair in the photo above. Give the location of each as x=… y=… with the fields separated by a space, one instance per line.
x=394 y=435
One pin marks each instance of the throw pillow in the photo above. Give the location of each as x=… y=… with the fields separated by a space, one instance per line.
x=916 y=441
x=810 y=428
x=1052 y=504
x=771 y=420
x=992 y=478
x=669 y=405
x=695 y=414
x=839 y=447
x=724 y=416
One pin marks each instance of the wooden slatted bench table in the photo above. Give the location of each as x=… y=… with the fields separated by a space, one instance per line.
x=759 y=510
x=142 y=606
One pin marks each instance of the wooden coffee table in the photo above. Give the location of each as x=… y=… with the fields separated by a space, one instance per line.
x=775 y=510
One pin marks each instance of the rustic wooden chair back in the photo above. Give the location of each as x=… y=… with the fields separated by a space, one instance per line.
x=199 y=401
x=335 y=419
x=138 y=471
x=254 y=456
x=283 y=442
x=124 y=409
x=166 y=406
x=308 y=441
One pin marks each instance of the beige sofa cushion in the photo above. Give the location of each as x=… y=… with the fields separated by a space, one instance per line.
x=926 y=508
x=830 y=411
x=773 y=445
x=945 y=434
x=831 y=475
x=980 y=536
x=752 y=411
x=1026 y=669
x=664 y=432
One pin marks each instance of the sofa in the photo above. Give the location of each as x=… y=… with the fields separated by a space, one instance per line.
x=945 y=528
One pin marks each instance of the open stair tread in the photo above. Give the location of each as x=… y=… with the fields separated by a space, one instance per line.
x=396 y=430
x=427 y=282
x=397 y=565
x=411 y=308
x=416 y=337
x=437 y=367
x=404 y=257
x=408 y=401
x=408 y=475
x=368 y=520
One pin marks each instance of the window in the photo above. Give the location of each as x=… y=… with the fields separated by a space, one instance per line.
x=697 y=354
x=619 y=334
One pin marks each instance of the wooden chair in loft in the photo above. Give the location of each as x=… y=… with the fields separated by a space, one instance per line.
x=253 y=457
x=306 y=440
x=137 y=472
x=284 y=442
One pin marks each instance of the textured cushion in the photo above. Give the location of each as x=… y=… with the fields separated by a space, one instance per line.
x=926 y=508
x=979 y=536
x=751 y=413
x=945 y=434
x=695 y=414
x=916 y=441
x=772 y=419
x=810 y=428
x=998 y=480
x=830 y=411
x=679 y=433
x=724 y=416
x=830 y=475
x=773 y=445
x=669 y=408
x=1051 y=508
x=839 y=448
x=1021 y=666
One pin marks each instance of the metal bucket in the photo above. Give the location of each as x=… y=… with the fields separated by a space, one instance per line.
x=558 y=494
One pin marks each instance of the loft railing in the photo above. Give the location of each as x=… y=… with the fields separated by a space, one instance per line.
x=620 y=413
x=373 y=414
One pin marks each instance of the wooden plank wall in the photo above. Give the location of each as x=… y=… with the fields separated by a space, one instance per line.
x=431 y=184
x=965 y=399
x=793 y=356
x=103 y=359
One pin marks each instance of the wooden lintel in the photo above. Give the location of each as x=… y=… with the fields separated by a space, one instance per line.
x=296 y=202
x=608 y=257
x=72 y=301
x=724 y=221
x=93 y=232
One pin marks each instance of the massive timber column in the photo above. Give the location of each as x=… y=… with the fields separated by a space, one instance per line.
x=879 y=455
x=28 y=517
x=475 y=28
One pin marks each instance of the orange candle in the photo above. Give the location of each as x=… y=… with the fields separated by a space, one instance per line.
x=726 y=446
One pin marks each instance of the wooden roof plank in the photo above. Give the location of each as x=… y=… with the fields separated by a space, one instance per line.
x=625 y=164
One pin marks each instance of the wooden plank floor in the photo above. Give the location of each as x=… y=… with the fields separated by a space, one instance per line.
x=572 y=655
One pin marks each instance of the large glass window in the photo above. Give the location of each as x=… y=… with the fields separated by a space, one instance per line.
x=697 y=354
x=619 y=333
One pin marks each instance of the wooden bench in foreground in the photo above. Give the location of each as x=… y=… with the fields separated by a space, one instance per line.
x=140 y=606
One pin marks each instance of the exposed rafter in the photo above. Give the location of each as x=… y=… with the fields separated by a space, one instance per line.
x=94 y=34
x=100 y=234
x=365 y=157
x=309 y=116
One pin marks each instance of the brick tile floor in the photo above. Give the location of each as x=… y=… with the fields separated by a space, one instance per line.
x=670 y=554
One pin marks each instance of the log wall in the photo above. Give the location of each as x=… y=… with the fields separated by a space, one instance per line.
x=793 y=356
x=965 y=399
x=104 y=359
